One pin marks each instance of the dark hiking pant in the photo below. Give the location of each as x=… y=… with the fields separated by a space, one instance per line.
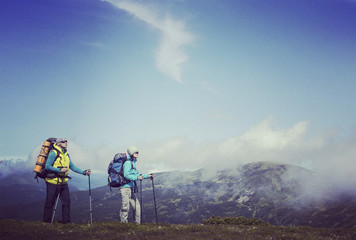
x=52 y=192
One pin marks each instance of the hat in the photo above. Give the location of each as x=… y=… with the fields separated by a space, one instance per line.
x=131 y=150
x=61 y=139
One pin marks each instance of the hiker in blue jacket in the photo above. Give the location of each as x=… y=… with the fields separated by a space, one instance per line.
x=129 y=190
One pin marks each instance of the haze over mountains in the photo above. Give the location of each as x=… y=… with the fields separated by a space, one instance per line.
x=275 y=192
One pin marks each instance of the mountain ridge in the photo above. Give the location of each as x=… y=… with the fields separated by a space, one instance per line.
x=266 y=190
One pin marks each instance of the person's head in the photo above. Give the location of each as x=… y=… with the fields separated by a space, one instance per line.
x=132 y=151
x=62 y=142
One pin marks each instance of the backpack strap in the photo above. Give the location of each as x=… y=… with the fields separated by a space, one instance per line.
x=135 y=190
x=123 y=167
x=132 y=167
x=56 y=152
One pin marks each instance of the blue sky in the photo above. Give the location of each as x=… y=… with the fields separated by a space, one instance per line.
x=189 y=83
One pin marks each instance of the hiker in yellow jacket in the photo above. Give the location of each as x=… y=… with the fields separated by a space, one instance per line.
x=57 y=166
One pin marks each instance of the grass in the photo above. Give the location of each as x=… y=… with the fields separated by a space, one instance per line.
x=21 y=229
x=234 y=221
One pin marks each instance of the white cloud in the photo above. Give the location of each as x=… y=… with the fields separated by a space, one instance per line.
x=264 y=138
x=329 y=155
x=262 y=142
x=170 y=54
x=265 y=141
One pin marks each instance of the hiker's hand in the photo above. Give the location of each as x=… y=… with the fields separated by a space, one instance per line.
x=64 y=170
x=87 y=172
x=140 y=178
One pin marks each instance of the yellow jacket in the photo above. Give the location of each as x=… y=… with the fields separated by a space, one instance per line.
x=58 y=159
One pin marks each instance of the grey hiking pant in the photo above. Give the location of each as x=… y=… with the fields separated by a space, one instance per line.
x=128 y=198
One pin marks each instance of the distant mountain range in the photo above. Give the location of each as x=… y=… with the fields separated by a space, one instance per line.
x=18 y=183
x=265 y=190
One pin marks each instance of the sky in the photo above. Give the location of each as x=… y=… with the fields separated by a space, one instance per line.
x=190 y=83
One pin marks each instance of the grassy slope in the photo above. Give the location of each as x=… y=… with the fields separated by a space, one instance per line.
x=20 y=229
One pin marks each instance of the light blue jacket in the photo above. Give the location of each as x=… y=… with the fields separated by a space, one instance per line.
x=131 y=173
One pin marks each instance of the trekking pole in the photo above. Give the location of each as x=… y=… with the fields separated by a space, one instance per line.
x=55 y=207
x=141 y=206
x=154 y=200
x=90 y=208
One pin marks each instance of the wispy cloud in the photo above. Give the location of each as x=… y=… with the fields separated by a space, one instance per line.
x=93 y=44
x=207 y=86
x=170 y=54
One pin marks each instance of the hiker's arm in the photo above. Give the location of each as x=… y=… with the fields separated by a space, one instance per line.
x=49 y=164
x=145 y=176
x=128 y=174
x=75 y=168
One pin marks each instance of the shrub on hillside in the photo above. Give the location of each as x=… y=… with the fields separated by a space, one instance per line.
x=234 y=221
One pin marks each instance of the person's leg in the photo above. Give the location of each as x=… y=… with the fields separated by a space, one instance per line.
x=65 y=199
x=125 y=206
x=51 y=196
x=136 y=208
